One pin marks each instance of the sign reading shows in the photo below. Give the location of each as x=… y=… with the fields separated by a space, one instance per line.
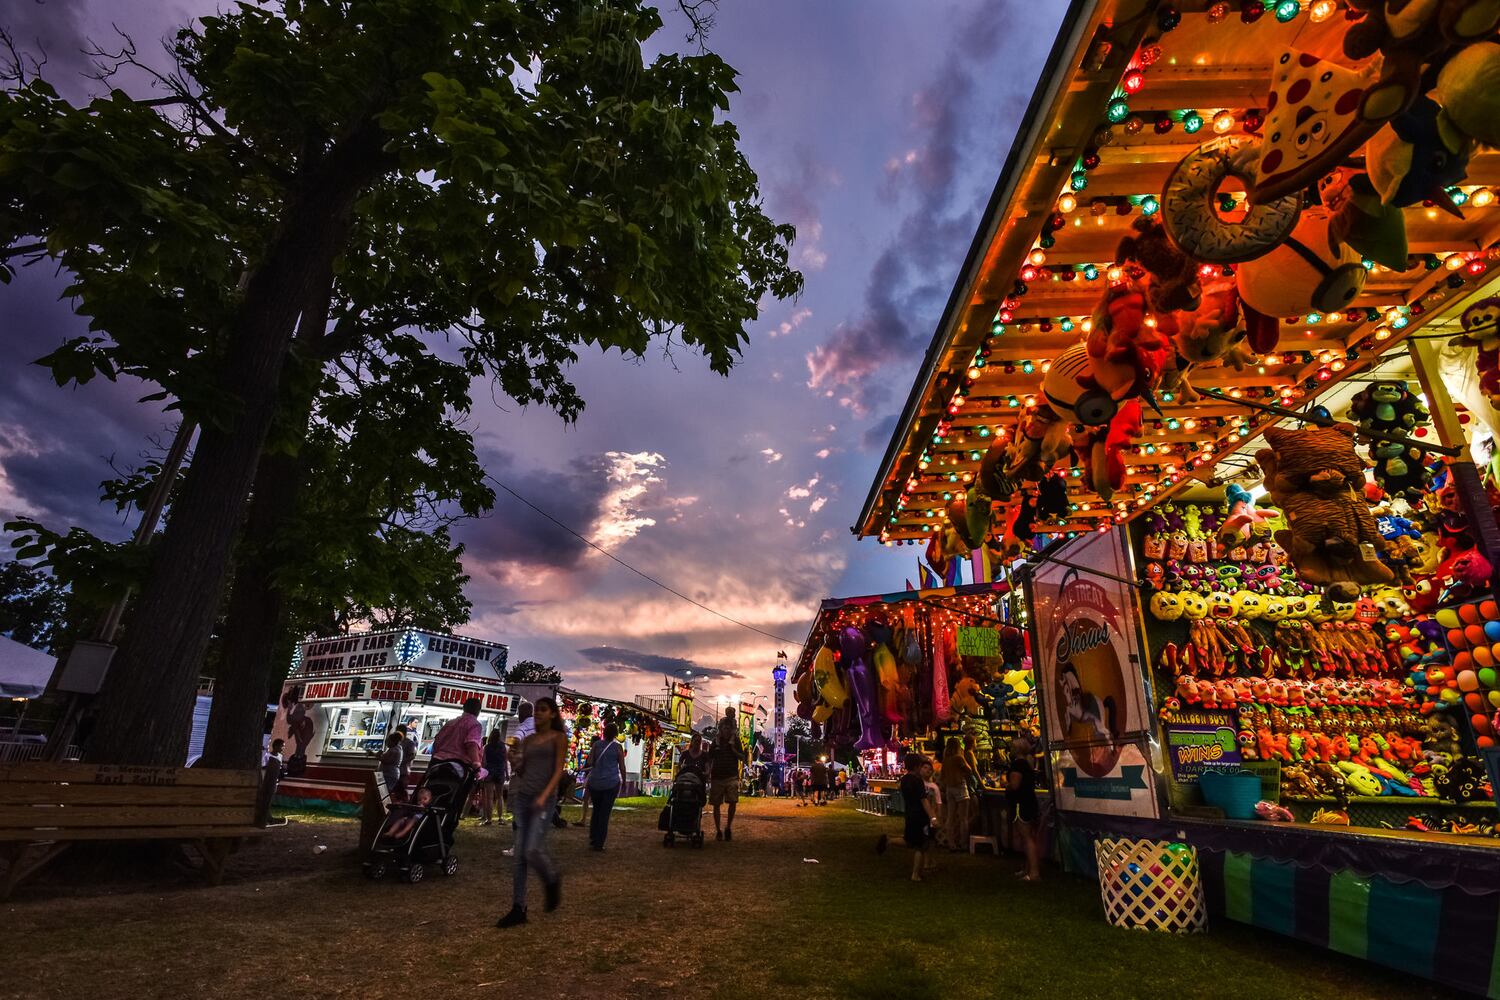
x=978 y=641
x=1088 y=674
x=1201 y=740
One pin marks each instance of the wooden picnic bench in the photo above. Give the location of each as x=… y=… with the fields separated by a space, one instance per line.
x=46 y=808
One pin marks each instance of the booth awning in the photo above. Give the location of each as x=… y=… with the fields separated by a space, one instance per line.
x=24 y=671
x=1130 y=90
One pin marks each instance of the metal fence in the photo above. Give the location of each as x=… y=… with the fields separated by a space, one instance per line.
x=20 y=751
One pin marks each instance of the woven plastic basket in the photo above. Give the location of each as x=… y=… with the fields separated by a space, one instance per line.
x=1150 y=885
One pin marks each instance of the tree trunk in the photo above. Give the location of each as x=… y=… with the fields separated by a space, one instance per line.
x=145 y=713
x=255 y=620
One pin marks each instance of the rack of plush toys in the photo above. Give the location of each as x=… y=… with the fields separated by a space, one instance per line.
x=884 y=679
x=1345 y=142
x=1345 y=627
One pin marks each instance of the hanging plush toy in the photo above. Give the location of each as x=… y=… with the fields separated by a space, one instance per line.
x=1312 y=123
x=1481 y=323
x=1392 y=408
x=1106 y=466
x=1018 y=532
x=1408 y=36
x=1212 y=332
x=1123 y=359
x=1362 y=221
x=830 y=688
x=1417 y=156
x=1190 y=203
x=854 y=652
x=1309 y=272
x=1243 y=519
x=1174 y=283
x=1468 y=88
x=890 y=684
x=1315 y=476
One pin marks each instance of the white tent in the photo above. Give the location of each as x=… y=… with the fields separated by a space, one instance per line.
x=24 y=671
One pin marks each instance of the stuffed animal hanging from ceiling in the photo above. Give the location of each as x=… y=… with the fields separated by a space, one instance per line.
x=1481 y=323
x=1363 y=221
x=854 y=652
x=1213 y=332
x=1312 y=123
x=1410 y=35
x=1309 y=272
x=1315 y=476
x=1391 y=408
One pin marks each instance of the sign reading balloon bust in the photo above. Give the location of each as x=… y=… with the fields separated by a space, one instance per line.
x=1095 y=721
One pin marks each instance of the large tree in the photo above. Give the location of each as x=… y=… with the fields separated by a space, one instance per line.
x=34 y=607
x=336 y=171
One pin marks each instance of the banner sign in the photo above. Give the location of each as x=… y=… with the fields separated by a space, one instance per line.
x=978 y=641
x=410 y=649
x=1119 y=787
x=1089 y=679
x=1201 y=740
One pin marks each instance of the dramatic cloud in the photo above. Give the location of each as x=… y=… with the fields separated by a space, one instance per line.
x=616 y=659
x=912 y=276
x=57 y=444
x=772 y=455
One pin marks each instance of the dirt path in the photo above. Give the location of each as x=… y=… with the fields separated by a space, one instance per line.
x=747 y=919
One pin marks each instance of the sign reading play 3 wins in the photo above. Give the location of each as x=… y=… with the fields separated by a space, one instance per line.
x=978 y=641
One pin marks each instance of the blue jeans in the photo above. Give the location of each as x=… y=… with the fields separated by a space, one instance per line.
x=530 y=849
x=604 y=801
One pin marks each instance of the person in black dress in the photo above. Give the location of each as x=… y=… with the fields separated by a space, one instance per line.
x=1020 y=799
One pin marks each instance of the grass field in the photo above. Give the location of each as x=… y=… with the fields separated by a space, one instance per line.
x=750 y=919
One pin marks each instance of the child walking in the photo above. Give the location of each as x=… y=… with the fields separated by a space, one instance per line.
x=920 y=813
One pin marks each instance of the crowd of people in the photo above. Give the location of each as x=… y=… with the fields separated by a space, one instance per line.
x=524 y=779
x=939 y=800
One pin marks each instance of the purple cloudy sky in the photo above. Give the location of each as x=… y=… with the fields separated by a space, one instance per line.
x=877 y=128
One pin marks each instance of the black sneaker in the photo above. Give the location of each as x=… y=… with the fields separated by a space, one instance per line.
x=517 y=915
x=553 y=894
x=729 y=833
x=718 y=834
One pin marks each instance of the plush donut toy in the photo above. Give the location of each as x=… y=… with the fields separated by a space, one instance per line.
x=1309 y=272
x=1190 y=213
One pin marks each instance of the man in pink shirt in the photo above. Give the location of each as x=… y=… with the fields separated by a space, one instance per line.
x=461 y=738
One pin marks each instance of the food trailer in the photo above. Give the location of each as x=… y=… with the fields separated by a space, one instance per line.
x=344 y=694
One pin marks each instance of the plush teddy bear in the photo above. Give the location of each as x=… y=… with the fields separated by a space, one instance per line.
x=1315 y=476
x=965 y=698
x=1174 y=281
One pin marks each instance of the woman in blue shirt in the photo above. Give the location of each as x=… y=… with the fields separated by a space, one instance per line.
x=492 y=789
x=606 y=774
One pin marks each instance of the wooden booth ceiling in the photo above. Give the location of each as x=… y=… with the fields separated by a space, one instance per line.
x=1208 y=76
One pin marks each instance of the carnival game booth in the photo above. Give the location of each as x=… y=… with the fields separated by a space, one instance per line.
x=344 y=694
x=895 y=673
x=1224 y=227
x=641 y=730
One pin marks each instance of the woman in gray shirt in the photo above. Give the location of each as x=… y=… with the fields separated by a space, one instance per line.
x=533 y=788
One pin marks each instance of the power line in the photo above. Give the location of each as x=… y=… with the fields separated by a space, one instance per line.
x=644 y=576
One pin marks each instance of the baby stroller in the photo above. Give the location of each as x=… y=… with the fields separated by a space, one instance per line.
x=419 y=832
x=683 y=814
